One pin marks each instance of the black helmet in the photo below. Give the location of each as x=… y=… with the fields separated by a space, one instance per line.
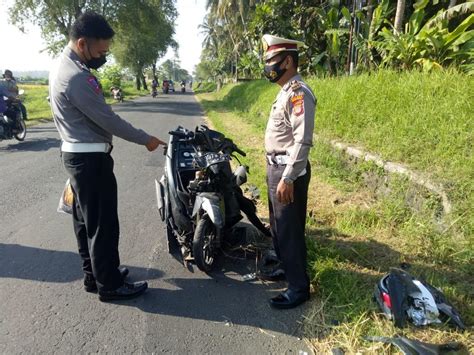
x=401 y=297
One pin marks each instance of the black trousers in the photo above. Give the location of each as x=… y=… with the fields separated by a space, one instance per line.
x=95 y=217
x=288 y=227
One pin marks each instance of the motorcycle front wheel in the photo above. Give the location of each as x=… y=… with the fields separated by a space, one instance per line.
x=204 y=250
x=20 y=136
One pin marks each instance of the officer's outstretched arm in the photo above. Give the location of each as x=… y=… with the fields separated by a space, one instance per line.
x=85 y=94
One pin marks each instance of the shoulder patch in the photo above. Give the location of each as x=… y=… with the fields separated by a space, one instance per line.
x=298 y=104
x=92 y=81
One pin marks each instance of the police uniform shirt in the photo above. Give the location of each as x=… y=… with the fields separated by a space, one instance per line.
x=291 y=124
x=79 y=109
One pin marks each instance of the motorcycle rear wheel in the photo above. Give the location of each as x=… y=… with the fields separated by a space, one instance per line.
x=20 y=136
x=204 y=251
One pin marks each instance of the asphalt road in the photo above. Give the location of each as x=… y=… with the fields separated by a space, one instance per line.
x=43 y=307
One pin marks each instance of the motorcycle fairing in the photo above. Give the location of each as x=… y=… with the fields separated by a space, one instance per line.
x=160 y=198
x=211 y=203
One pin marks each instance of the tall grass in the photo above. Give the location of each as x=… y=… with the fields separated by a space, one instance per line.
x=423 y=120
x=355 y=235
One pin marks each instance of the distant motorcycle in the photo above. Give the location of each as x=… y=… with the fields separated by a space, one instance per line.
x=183 y=88
x=12 y=123
x=154 y=92
x=117 y=94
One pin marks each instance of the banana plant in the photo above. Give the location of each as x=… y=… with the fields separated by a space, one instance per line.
x=429 y=44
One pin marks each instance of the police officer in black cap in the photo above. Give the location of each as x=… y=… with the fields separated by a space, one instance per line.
x=288 y=140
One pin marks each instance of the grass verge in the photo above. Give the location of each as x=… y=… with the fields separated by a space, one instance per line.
x=204 y=87
x=38 y=109
x=355 y=235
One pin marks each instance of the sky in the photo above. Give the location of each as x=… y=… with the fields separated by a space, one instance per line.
x=21 y=52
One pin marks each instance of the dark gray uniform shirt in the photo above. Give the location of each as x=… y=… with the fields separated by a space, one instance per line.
x=79 y=109
x=291 y=124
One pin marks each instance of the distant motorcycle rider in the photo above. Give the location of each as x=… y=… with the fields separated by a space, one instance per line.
x=4 y=92
x=10 y=84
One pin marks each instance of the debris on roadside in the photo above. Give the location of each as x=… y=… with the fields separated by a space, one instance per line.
x=402 y=298
x=415 y=347
x=249 y=277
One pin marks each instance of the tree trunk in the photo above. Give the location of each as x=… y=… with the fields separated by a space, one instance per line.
x=398 y=25
x=138 y=82
x=145 y=86
x=153 y=68
x=370 y=15
x=349 y=49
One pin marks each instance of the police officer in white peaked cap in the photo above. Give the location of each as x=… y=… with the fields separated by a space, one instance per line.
x=288 y=140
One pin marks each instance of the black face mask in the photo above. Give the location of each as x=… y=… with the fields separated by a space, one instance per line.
x=95 y=63
x=274 y=72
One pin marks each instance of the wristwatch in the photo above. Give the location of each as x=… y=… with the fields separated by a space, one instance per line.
x=287 y=181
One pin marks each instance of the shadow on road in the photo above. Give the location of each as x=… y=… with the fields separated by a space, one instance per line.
x=32 y=145
x=225 y=298
x=29 y=263
x=160 y=106
x=221 y=300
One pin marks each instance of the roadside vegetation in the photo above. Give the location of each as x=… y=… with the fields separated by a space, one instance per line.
x=355 y=232
x=37 y=105
x=340 y=36
x=204 y=87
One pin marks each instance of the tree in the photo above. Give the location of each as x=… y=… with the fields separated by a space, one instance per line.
x=144 y=33
x=144 y=29
x=55 y=17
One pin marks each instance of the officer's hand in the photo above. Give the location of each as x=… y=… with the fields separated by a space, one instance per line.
x=153 y=143
x=285 y=193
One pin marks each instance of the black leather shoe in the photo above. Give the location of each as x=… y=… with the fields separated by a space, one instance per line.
x=273 y=275
x=91 y=286
x=289 y=299
x=124 y=292
x=124 y=272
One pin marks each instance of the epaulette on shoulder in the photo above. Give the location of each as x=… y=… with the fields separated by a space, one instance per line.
x=82 y=66
x=295 y=85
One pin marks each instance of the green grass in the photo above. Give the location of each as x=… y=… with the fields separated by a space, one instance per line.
x=422 y=120
x=354 y=233
x=204 y=87
x=38 y=107
x=35 y=100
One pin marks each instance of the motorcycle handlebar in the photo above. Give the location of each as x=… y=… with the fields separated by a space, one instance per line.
x=237 y=150
x=181 y=134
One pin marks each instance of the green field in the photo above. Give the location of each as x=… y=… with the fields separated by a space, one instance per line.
x=354 y=234
x=37 y=106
